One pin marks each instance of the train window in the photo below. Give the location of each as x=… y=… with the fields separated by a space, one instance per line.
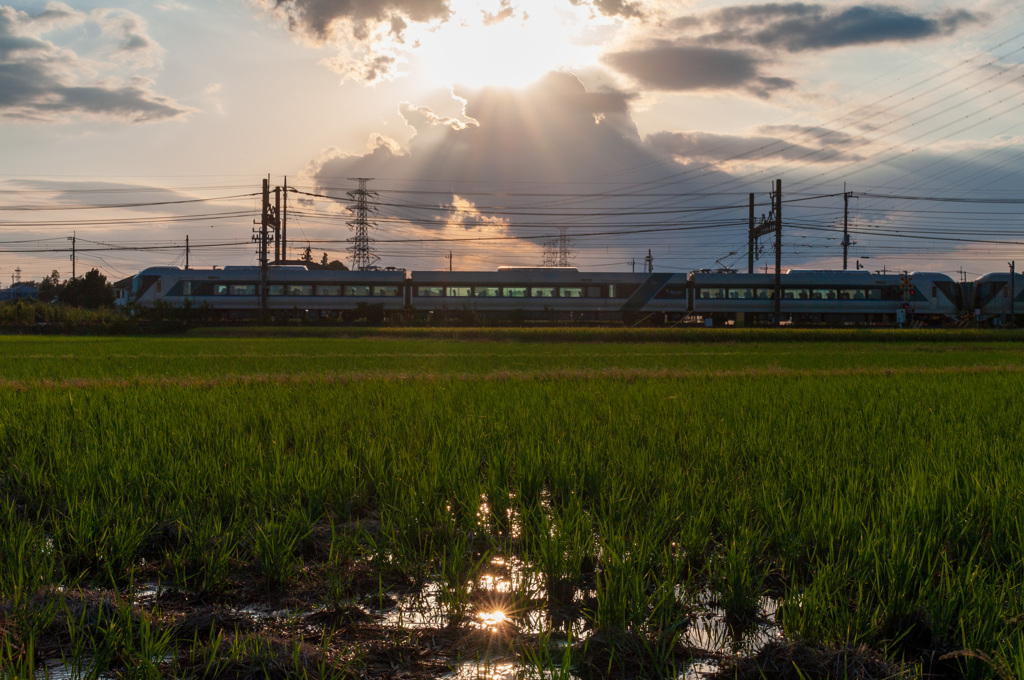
x=712 y=293
x=275 y=289
x=571 y=292
x=186 y=287
x=220 y=289
x=593 y=291
x=515 y=292
x=874 y=294
x=357 y=291
x=242 y=289
x=430 y=291
x=158 y=286
x=542 y=292
x=300 y=289
x=741 y=294
x=460 y=291
x=386 y=291
x=764 y=294
x=611 y=290
x=486 y=291
x=331 y=290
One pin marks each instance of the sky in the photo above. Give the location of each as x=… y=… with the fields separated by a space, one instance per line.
x=488 y=130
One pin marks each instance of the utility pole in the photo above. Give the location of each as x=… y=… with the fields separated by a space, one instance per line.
x=1013 y=292
x=277 y=225
x=363 y=256
x=449 y=260
x=261 y=236
x=846 y=224
x=186 y=251
x=750 y=238
x=73 y=240
x=632 y=263
x=649 y=260
x=284 y=223
x=777 y=195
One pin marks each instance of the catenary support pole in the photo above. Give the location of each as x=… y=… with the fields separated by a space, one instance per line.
x=778 y=251
x=750 y=238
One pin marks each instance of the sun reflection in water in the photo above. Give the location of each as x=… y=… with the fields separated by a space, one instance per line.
x=492 y=619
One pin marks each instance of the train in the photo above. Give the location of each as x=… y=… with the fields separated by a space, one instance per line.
x=707 y=297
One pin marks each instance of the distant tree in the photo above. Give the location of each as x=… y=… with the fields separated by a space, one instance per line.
x=323 y=260
x=337 y=264
x=307 y=254
x=91 y=291
x=50 y=287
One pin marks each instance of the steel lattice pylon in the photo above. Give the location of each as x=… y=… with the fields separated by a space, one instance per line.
x=363 y=256
x=558 y=251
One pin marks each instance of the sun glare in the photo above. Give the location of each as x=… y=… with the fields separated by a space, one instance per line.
x=481 y=46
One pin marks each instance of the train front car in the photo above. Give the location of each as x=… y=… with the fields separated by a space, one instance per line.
x=234 y=292
x=149 y=287
x=989 y=300
x=814 y=297
x=543 y=293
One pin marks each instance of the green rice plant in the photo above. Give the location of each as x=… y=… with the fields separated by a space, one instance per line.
x=274 y=546
x=737 y=578
x=547 y=659
x=204 y=563
x=113 y=636
x=458 y=570
x=26 y=561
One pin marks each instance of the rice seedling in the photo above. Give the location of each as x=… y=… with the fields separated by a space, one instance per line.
x=871 y=485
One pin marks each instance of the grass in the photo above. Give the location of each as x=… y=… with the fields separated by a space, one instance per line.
x=873 y=488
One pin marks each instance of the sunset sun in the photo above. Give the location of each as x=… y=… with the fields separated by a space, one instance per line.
x=508 y=47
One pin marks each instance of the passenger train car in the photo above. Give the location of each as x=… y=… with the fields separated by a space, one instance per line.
x=816 y=296
x=989 y=299
x=564 y=293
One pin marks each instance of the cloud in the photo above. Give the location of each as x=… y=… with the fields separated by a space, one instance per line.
x=677 y=68
x=797 y=27
x=552 y=137
x=42 y=82
x=620 y=8
x=323 y=20
x=825 y=147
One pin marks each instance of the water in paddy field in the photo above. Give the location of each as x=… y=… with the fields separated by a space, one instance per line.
x=709 y=629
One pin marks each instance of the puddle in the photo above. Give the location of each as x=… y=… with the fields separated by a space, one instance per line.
x=259 y=612
x=710 y=630
x=146 y=594
x=487 y=669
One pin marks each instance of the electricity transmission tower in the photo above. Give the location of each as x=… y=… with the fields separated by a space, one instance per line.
x=363 y=256
x=558 y=251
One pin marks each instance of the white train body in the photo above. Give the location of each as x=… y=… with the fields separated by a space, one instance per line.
x=289 y=288
x=554 y=293
x=989 y=298
x=826 y=296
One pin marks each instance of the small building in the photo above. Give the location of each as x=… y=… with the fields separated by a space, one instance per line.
x=122 y=289
x=19 y=291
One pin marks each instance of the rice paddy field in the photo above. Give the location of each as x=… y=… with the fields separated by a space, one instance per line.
x=513 y=504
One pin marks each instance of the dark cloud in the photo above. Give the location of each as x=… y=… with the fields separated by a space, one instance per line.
x=666 y=66
x=38 y=80
x=712 y=147
x=320 y=19
x=797 y=27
